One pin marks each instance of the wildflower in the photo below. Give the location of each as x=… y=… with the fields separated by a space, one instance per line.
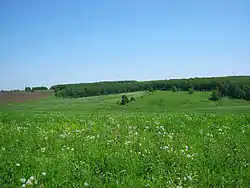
x=23 y=185
x=18 y=164
x=189 y=177
x=32 y=178
x=29 y=182
x=186 y=148
x=23 y=180
x=44 y=173
x=43 y=150
x=72 y=149
x=127 y=142
x=189 y=156
x=164 y=147
x=86 y=184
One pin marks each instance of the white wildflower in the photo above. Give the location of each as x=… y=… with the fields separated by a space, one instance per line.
x=164 y=147
x=23 y=185
x=29 y=182
x=23 y=180
x=18 y=164
x=186 y=148
x=44 y=173
x=86 y=184
x=189 y=177
x=32 y=178
x=189 y=156
x=127 y=142
x=43 y=150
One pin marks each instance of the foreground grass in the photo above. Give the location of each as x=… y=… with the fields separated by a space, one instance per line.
x=93 y=142
x=126 y=151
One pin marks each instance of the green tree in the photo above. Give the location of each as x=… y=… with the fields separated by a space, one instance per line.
x=174 y=89
x=190 y=90
x=125 y=100
x=150 y=89
x=132 y=99
x=215 y=95
x=28 y=89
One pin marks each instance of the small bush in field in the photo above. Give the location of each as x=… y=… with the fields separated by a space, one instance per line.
x=190 y=90
x=125 y=100
x=174 y=89
x=215 y=95
x=132 y=99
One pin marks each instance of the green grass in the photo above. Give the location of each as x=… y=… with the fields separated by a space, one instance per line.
x=163 y=139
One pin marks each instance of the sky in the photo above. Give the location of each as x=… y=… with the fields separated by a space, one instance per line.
x=60 y=41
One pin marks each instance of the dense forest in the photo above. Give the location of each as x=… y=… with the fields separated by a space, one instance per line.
x=231 y=86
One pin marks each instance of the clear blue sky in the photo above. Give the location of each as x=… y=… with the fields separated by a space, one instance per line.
x=51 y=42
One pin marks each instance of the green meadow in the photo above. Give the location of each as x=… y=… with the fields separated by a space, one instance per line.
x=162 y=139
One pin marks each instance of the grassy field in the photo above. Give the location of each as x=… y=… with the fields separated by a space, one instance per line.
x=163 y=139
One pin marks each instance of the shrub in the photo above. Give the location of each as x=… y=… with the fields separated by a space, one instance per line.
x=190 y=90
x=247 y=96
x=150 y=89
x=174 y=89
x=215 y=95
x=125 y=100
x=27 y=89
x=132 y=99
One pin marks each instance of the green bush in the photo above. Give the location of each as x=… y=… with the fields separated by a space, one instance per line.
x=132 y=99
x=215 y=95
x=28 y=89
x=150 y=89
x=174 y=89
x=125 y=100
x=190 y=90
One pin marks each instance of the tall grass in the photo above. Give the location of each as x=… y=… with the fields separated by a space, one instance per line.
x=126 y=150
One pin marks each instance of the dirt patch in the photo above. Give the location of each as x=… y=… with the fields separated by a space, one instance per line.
x=21 y=96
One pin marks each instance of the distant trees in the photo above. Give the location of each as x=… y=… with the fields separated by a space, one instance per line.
x=231 y=86
x=27 y=89
x=39 y=88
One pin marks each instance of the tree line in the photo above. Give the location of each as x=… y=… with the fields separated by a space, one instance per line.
x=231 y=86
x=31 y=89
